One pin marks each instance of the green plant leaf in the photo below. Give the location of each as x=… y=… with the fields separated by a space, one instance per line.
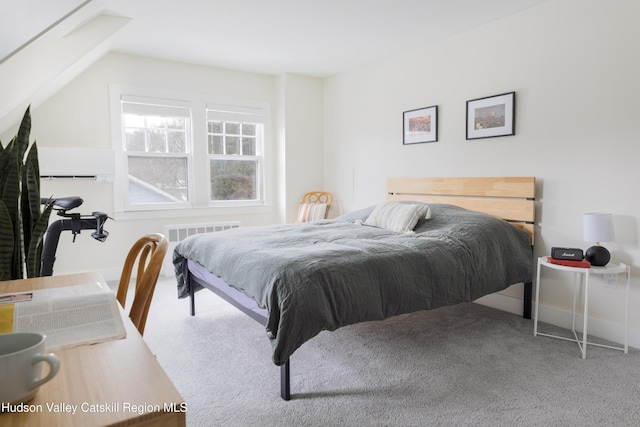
x=7 y=244
x=22 y=225
x=22 y=138
x=10 y=195
x=5 y=157
x=34 y=250
x=30 y=194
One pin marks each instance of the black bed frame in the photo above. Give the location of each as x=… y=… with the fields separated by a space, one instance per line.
x=250 y=308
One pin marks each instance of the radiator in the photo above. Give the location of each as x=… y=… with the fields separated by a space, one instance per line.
x=176 y=233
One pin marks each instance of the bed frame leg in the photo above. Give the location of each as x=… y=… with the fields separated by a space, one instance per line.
x=285 y=383
x=192 y=300
x=528 y=293
x=192 y=294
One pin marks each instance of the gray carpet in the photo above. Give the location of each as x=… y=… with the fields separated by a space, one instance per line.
x=466 y=365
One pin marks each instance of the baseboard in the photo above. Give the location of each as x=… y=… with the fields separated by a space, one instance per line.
x=597 y=327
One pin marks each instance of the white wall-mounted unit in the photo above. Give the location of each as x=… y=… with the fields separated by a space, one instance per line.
x=76 y=163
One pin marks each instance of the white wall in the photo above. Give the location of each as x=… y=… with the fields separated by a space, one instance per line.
x=79 y=116
x=574 y=67
x=303 y=133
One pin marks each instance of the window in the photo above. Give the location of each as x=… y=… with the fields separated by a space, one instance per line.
x=182 y=152
x=235 y=153
x=157 y=141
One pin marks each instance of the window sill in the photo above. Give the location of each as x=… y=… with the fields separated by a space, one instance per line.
x=192 y=212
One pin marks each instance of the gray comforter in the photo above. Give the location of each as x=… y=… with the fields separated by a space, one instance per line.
x=327 y=274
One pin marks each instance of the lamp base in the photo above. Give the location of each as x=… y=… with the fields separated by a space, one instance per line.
x=598 y=256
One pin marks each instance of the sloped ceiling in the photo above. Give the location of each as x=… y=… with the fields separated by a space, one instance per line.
x=310 y=37
x=32 y=25
x=39 y=68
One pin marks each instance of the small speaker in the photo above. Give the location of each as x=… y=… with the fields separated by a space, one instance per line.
x=567 y=253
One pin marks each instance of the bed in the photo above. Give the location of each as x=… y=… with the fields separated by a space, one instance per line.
x=433 y=242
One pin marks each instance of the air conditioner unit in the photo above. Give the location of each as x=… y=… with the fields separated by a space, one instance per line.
x=76 y=163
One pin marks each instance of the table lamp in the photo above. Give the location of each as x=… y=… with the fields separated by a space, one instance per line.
x=598 y=227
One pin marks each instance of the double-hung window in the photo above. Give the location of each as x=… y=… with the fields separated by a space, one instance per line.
x=187 y=153
x=234 y=147
x=157 y=140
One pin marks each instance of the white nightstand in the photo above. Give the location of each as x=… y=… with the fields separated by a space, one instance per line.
x=586 y=273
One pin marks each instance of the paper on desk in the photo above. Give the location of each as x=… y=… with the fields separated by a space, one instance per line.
x=7 y=302
x=68 y=316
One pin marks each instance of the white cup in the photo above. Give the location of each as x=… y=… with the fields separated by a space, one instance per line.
x=21 y=357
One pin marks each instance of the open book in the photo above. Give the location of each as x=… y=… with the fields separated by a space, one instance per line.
x=68 y=316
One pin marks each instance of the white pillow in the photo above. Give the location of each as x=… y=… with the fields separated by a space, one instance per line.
x=311 y=212
x=397 y=216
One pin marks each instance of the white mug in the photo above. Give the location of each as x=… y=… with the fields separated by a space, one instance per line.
x=21 y=354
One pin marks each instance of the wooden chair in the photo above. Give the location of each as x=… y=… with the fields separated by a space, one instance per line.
x=315 y=205
x=150 y=251
x=318 y=197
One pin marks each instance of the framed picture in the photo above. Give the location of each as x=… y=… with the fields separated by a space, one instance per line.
x=420 y=125
x=491 y=116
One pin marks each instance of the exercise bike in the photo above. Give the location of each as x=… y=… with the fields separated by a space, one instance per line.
x=73 y=222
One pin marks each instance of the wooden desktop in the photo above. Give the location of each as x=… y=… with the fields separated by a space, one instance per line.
x=118 y=382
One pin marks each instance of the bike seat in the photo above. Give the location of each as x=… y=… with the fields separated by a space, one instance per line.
x=67 y=203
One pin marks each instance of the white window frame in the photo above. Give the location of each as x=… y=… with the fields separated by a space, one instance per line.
x=198 y=158
x=231 y=113
x=163 y=105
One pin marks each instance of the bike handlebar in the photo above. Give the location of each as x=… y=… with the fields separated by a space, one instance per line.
x=74 y=222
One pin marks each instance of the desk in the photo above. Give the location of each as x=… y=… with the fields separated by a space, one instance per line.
x=118 y=382
x=586 y=272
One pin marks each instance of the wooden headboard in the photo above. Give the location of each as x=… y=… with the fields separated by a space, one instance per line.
x=509 y=198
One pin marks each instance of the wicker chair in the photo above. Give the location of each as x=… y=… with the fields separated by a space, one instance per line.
x=315 y=205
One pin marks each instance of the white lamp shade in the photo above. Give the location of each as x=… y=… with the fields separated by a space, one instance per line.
x=598 y=227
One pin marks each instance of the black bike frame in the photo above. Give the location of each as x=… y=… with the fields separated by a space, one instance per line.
x=75 y=223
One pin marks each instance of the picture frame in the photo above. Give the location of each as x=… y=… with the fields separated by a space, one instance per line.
x=491 y=116
x=420 y=125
